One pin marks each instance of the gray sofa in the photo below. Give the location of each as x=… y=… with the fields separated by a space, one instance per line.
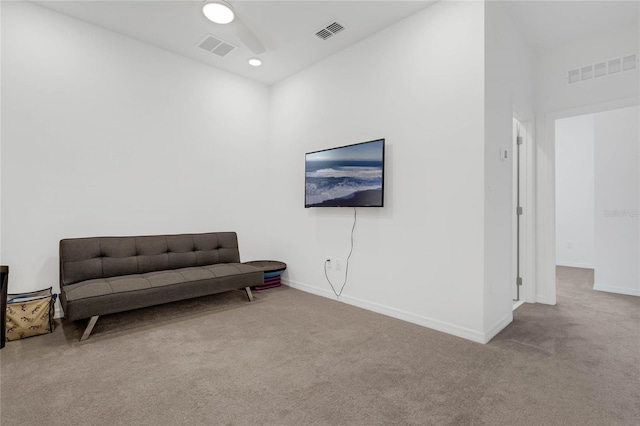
x=105 y=275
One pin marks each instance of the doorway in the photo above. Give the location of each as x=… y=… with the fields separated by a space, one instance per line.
x=597 y=197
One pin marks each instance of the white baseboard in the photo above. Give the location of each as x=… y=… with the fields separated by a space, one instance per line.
x=618 y=290
x=465 y=333
x=545 y=300
x=574 y=264
x=58 y=313
x=498 y=327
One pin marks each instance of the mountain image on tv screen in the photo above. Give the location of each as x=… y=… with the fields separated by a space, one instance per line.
x=348 y=176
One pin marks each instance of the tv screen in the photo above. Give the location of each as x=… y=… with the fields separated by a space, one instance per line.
x=347 y=176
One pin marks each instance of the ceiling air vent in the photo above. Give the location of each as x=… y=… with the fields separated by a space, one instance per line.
x=215 y=46
x=335 y=27
x=324 y=34
x=329 y=30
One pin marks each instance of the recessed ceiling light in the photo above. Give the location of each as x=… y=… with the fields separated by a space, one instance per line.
x=255 y=62
x=219 y=12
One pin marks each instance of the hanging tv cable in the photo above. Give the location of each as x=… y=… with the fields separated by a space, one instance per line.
x=346 y=271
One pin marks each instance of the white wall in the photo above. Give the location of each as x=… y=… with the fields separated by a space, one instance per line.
x=1 y=258
x=575 y=221
x=556 y=99
x=100 y=141
x=553 y=92
x=508 y=91
x=103 y=135
x=420 y=85
x=617 y=200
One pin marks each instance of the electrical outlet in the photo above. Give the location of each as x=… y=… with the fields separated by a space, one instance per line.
x=338 y=263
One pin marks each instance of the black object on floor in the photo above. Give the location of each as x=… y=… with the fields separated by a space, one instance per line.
x=4 y=282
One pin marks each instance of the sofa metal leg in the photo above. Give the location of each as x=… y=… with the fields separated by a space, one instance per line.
x=249 y=294
x=89 y=329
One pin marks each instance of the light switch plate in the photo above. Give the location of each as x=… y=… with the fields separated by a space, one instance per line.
x=504 y=153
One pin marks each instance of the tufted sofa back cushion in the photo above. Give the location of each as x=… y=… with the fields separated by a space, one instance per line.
x=84 y=259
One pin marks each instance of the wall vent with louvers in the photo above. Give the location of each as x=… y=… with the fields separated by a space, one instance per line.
x=215 y=46
x=329 y=30
x=630 y=62
x=600 y=69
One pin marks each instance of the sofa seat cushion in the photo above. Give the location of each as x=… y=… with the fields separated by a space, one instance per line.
x=126 y=283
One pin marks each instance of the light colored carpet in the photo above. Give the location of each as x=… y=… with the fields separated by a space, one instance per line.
x=292 y=358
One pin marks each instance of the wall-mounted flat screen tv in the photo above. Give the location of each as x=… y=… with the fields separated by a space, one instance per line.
x=347 y=176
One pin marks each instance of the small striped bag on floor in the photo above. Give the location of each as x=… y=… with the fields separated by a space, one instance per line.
x=29 y=314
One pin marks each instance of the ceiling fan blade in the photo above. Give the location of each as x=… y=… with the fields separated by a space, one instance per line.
x=248 y=37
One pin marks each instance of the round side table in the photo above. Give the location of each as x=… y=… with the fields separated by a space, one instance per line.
x=272 y=270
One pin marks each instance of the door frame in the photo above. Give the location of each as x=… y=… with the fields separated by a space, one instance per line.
x=527 y=220
x=545 y=291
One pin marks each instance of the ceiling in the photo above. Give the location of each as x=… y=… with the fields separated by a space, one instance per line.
x=287 y=28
